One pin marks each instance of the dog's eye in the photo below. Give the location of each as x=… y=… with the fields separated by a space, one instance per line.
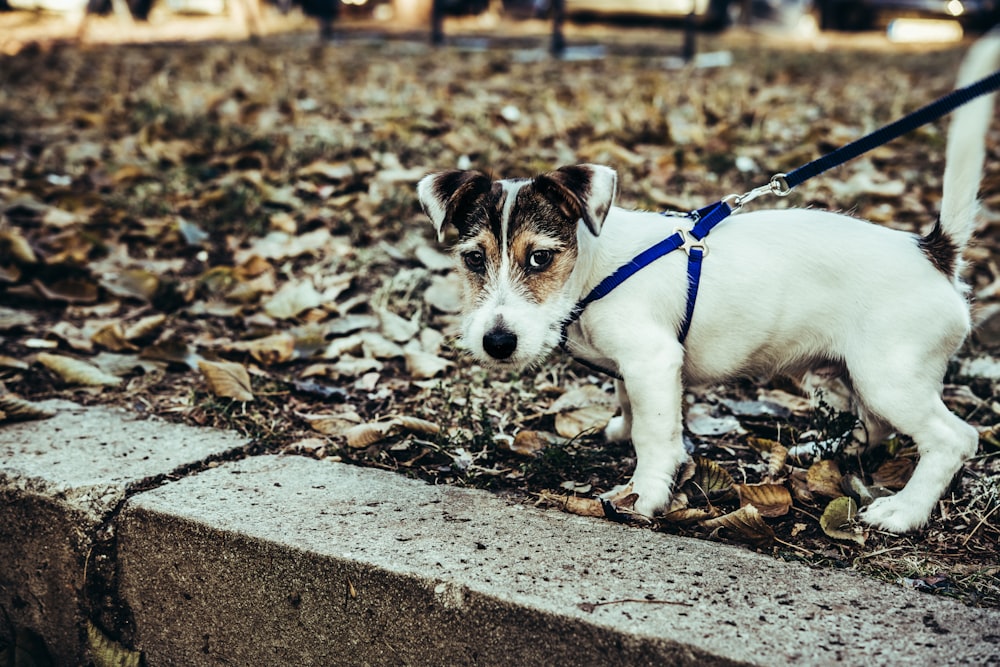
x=475 y=260
x=539 y=259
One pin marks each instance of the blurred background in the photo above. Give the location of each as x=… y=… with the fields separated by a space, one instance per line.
x=208 y=213
x=897 y=20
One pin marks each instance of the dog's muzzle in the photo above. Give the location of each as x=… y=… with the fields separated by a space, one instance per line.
x=499 y=343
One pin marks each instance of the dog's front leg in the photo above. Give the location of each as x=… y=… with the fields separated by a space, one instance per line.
x=655 y=394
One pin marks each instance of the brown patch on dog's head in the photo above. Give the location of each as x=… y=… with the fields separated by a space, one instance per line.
x=463 y=199
x=522 y=233
x=544 y=263
x=517 y=245
x=458 y=199
x=582 y=192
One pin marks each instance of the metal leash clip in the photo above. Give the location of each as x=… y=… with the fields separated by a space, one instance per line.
x=777 y=186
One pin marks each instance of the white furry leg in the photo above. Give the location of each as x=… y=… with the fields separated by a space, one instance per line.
x=944 y=442
x=619 y=429
x=654 y=394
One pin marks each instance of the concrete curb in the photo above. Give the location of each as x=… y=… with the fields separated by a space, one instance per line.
x=61 y=481
x=275 y=560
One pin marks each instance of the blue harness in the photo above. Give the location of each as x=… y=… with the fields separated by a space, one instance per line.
x=692 y=242
x=705 y=219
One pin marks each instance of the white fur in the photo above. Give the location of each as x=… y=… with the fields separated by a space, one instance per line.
x=433 y=207
x=781 y=290
x=964 y=159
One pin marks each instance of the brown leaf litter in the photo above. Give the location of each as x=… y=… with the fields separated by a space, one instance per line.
x=192 y=228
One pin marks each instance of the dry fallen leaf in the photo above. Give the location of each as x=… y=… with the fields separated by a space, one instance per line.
x=762 y=445
x=132 y=283
x=173 y=350
x=73 y=336
x=838 y=520
x=105 y=652
x=144 y=327
x=582 y=409
x=15 y=319
x=227 y=379
x=363 y=435
x=710 y=482
x=377 y=346
x=823 y=478
x=772 y=450
x=396 y=328
x=582 y=420
x=17 y=409
x=692 y=514
x=17 y=246
x=422 y=365
x=894 y=473
x=333 y=424
x=854 y=486
x=292 y=299
x=771 y=500
x=701 y=419
x=746 y=525
x=112 y=337
x=352 y=367
x=444 y=293
x=75 y=371
x=11 y=362
x=433 y=259
x=528 y=443
x=797 y=480
x=70 y=290
x=584 y=506
x=269 y=350
x=418 y=426
x=776 y=462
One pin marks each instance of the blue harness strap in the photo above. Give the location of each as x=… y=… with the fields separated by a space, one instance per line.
x=705 y=219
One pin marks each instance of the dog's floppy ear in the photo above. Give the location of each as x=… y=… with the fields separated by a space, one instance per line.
x=583 y=191
x=447 y=196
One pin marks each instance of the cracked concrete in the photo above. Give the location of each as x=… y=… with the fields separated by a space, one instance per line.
x=61 y=480
x=274 y=560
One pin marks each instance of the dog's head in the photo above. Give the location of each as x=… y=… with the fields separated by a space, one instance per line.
x=516 y=245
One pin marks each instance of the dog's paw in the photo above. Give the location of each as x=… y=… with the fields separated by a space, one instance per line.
x=895 y=514
x=617 y=430
x=619 y=503
x=636 y=500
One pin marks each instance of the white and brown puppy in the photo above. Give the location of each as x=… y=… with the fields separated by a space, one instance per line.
x=781 y=291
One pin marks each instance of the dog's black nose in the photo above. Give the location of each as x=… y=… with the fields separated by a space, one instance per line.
x=499 y=343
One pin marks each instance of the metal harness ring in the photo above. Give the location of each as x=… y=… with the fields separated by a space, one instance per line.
x=779 y=186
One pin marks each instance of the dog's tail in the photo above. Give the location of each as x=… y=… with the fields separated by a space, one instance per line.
x=965 y=156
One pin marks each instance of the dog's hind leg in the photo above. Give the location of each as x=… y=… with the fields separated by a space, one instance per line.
x=906 y=395
x=944 y=442
x=619 y=428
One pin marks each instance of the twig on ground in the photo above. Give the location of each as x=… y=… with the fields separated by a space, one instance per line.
x=589 y=607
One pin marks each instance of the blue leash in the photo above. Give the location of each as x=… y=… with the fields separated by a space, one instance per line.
x=705 y=219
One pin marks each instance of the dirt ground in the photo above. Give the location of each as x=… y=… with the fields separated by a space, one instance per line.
x=225 y=232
